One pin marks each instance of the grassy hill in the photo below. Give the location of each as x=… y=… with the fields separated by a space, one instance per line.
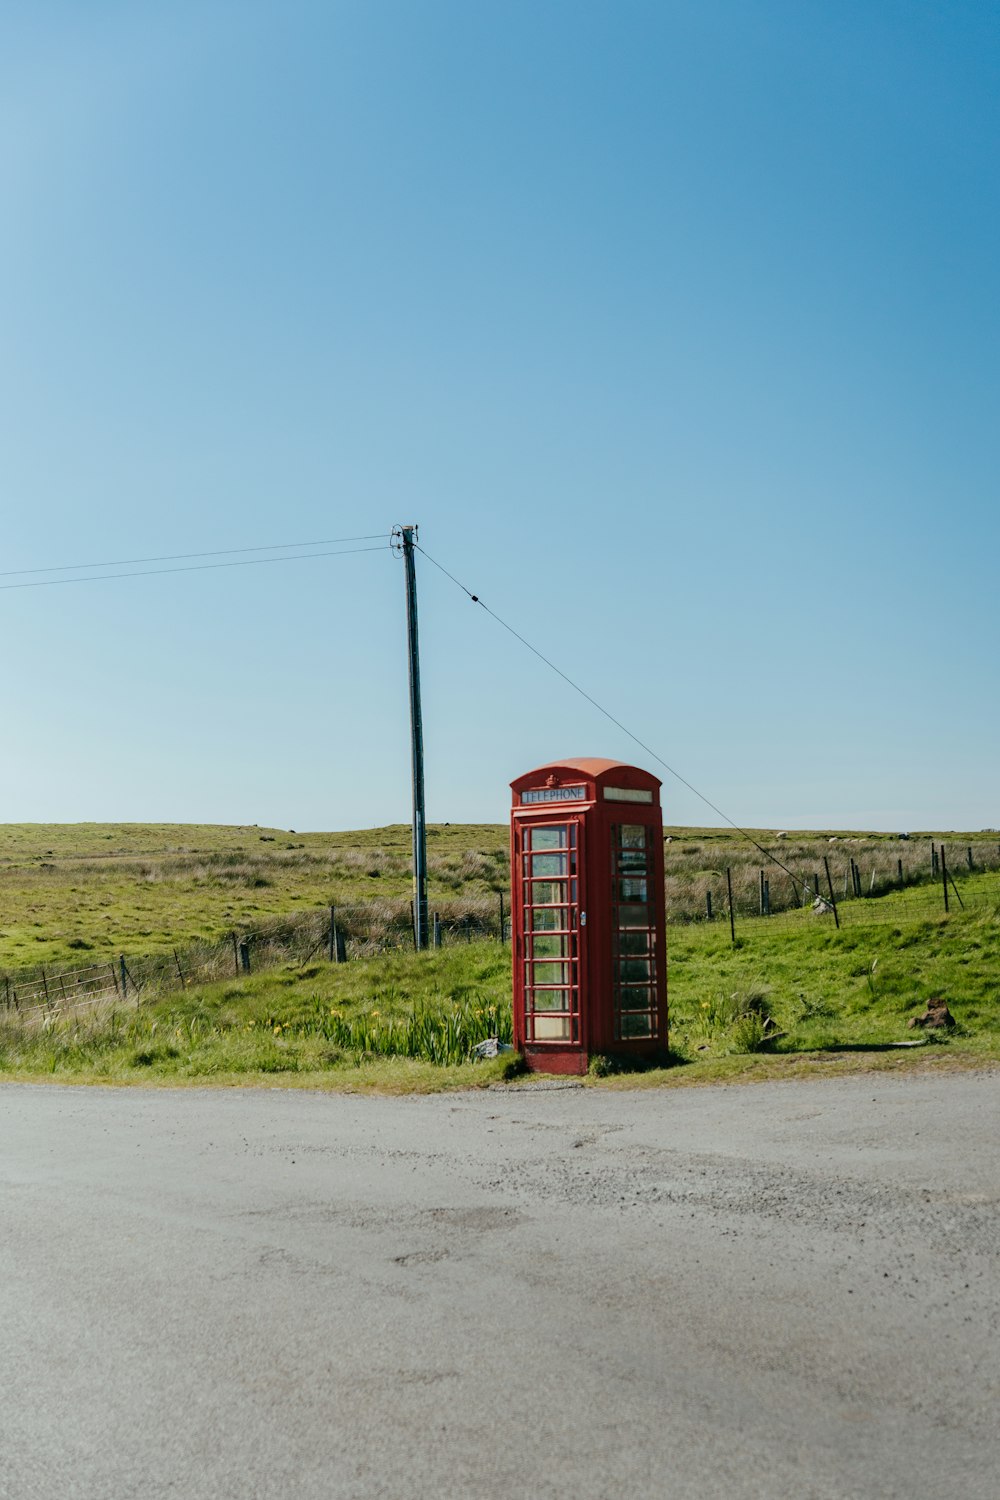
x=69 y=891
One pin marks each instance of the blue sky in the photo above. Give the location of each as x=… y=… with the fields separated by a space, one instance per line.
x=673 y=325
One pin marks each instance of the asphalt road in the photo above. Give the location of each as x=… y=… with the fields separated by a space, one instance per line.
x=771 y=1291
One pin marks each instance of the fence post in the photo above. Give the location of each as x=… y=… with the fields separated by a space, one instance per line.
x=123 y=972
x=732 y=918
x=333 y=934
x=126 y=975
x=762 y=892
x=437 y=929
x=236 y=956
x=833 y=899
x=244 y=956
x=934 y=860
x=969 y=856
x=899 y=867
x=944 y=877
x=708 y=905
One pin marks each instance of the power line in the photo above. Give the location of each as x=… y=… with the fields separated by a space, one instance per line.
x=128 y=562
x=246 y=562
x=608 y=715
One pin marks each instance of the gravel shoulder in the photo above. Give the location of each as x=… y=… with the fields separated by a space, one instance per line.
x=790 y=1290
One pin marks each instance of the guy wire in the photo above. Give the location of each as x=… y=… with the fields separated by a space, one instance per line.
x=610 y=716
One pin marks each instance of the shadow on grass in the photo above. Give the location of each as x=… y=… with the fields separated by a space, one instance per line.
x=857 y=1047
x=606 y=1065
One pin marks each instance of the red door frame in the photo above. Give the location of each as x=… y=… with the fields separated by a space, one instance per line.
x=551 y=817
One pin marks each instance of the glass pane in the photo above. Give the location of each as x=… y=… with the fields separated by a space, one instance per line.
x=632 y=835
x=549 y=973
x=633 y=969
x=550 y=1000
x=633 y=916
x=551 y=1028
x=632 y=860
x=632 y=890
x=635 y=997
x=636 y=1026
x=548 y=864
x=547 y=892
x=548 y=838
x=550 y=919
x=634 y=942
x=550 y=947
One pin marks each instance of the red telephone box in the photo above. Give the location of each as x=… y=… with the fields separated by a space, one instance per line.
x=588 y=914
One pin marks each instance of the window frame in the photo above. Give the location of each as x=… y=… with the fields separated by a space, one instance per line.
x=557 y=975
x=631 y=865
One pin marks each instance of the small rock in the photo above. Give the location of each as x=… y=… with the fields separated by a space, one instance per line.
x=936 y=1015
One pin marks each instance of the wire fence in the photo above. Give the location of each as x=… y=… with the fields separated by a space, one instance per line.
x=888 y=909
x=334 y=934
x=847 y=897
x=837 y=870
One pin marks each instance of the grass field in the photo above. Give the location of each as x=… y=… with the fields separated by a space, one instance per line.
x=69 y=892
x=798 y=997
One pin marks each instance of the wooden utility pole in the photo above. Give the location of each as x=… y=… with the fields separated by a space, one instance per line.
x=408 y=536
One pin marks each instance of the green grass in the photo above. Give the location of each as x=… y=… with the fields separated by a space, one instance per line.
x=800 y=998
x=399 y=1020
x=833 y=991
x=793 y=995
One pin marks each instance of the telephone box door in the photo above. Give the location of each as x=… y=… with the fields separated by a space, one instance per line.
x=549 y=863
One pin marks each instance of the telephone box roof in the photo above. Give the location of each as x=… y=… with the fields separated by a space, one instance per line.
x=595 y=768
